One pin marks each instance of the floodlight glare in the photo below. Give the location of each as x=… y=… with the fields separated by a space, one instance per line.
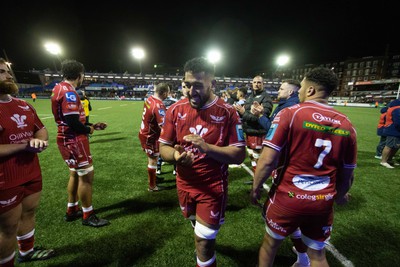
x=53 y=48
x=214 y=56
x=282 y=60
x=138 y=53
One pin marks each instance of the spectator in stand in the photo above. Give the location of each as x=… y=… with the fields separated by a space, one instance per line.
x=202 y=135
x=231 y=96
x=22 y=136
x=392 y=132
x=241 y=96
x=255 y=133
x=306 y=151
x=150 y=129
x=379 y=132
x=287 y=96
x=73 y=143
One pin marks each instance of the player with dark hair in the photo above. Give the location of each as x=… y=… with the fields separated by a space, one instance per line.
x=202 y=135
x=22 y=136
x=73 y=143
x=313 y=148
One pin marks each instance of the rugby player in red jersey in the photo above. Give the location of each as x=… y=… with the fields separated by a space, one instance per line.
x=314 y=149
x=202 y=135
x=73 y=143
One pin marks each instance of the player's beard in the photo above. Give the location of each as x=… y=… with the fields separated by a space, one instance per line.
x=202 y=102
x=8 y=87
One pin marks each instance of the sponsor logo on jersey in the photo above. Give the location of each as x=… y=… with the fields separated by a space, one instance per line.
x=70 y=96
x=314 y=197
x=319 y=117
x=16 y=138
x=275 y=225
x=217 y=119
x=20 y=120
x=325 y=129
x=310 y=182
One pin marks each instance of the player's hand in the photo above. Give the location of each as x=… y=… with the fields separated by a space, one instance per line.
x=255 y=197
x=197 y=142
x=344 y=200
x=99 y=126
x=185 y=158
x=36 y=145
x=239 y=108
x=257 y=109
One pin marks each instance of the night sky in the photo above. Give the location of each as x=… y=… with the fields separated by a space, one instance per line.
x=250 y=35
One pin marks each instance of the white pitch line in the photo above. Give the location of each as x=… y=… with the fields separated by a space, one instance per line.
x=123 y=105
x=244 y=166
x=103 y=108
x=44 y=118
x=343 y=260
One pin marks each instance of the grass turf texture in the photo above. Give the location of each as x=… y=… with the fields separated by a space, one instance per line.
x=147 y=229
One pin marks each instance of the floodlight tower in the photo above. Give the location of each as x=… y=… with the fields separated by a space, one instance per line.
x=281 y=60
x=54 y=49
x=138 y=53
x=214 y=56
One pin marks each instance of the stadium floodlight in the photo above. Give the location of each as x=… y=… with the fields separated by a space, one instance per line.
x=54 y=49
x=214 y=56
x=138 y=53
x=282 y=60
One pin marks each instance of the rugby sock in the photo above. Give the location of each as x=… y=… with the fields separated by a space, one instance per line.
x=8 y=262
x=87 y=212
x=151 y=170
x=25 y=242
x=72 y=207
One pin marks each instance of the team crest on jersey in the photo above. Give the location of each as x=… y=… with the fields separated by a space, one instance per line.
x=70 y=96
x=161 y=112
x=198 y=130
x=217 y=119
x=20 y=120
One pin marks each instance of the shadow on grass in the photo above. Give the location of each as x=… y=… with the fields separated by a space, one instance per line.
x=117 y=248
x=135 y=206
